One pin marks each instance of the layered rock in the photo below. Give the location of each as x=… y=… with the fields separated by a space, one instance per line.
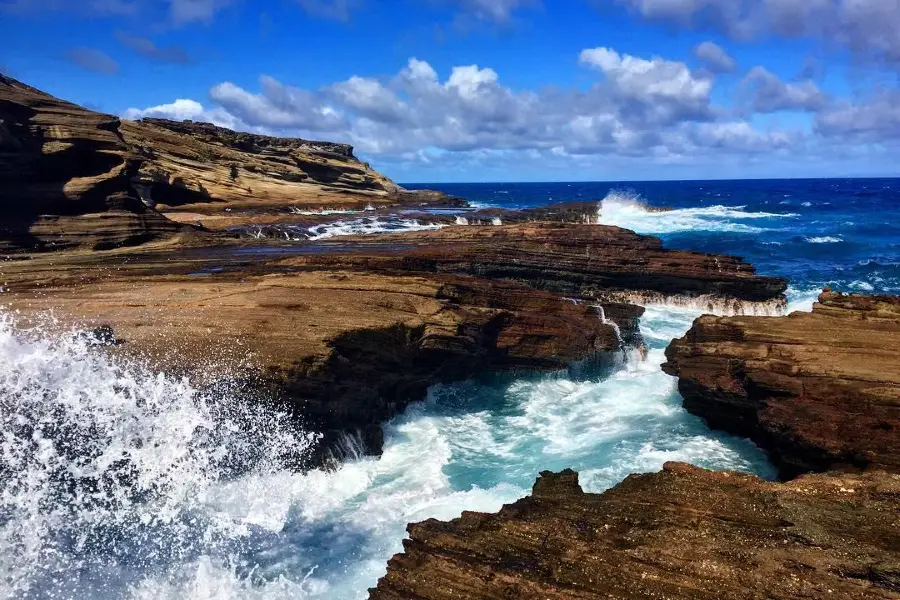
x=344 y=350
x=584 y=261
x=65 y=177
x=818 y=390
x=72 y=177
x=195 y=171
x=682 y=533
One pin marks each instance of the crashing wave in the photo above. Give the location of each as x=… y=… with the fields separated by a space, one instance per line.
x=111 y=472
x=628 y=210
x=369 y=226
x=826 y=239
x=716 y=305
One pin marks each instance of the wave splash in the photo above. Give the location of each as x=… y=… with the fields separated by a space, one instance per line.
x=112 y=474
x=629 y=210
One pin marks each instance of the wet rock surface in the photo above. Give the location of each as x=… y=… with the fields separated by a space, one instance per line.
x=817 y=390
x=682 y=533
x=346 y=332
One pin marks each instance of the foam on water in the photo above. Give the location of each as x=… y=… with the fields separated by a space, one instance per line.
x=825 y=239
x=339 y=228
x=110 y=472
x=179 y=524
x=628 y=210
x=369 y=226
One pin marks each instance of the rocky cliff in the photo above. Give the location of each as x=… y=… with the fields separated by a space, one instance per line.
x=348 y=333
x=65 y=176
x=818 y=390
x=72 y=177
x=682 y=533
x=576 y=260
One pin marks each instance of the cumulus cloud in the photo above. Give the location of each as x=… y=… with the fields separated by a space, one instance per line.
x=637 y=107
x=277 y=106
x=873 y=120
x=148 y=49
x=655 y=91
x=93 y=60
x=767 y=93
x=866 y=27
x=185 y=110
x=715 y=58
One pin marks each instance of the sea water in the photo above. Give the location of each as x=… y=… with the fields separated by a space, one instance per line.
x=118 y=482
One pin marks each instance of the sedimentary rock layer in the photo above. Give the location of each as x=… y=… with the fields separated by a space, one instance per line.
x=817 y=390
x=344 y=350
x=682 y=533
x=585 y=261
x=72 y=177
x=65 y=177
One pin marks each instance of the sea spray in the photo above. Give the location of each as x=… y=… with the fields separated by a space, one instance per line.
x=629 y=210
x=111 y=472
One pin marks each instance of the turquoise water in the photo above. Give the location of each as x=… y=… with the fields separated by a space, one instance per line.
x=179 y=523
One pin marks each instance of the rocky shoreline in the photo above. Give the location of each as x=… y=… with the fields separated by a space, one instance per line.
x=345 y=332
x=682 y=533
x=139 y=229
x=819 y=391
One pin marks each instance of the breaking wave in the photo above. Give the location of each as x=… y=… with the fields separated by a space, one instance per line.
x=122 y=483
x=826 y=239
x=628 y=210
x=114 y=476
x=340 y=228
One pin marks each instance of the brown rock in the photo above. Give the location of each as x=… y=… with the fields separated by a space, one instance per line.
x=818 y=390
x=76 y=178
x=583 y=261
x=682 y=533
x=344 y=350
x=64 y=175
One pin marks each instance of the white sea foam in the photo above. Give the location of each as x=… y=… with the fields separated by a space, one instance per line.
x=368 y=226
x=190 y=528
x=628 y=210
x=326 y=211
x=827 y=239
x=111 y=472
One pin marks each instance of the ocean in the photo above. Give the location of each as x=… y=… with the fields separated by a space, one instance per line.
x=182 y=519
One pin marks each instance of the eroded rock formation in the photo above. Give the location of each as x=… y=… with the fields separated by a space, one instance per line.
x=346 y=332
x=817 y=390
x=65 y=177
x=584 y=261
x=72 y=177
x=682 y=533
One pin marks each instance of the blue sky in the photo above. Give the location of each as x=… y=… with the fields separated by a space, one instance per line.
x=497 y=90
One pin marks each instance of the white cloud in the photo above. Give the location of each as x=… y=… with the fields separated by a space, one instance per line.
x=715 y=58
x=638 y=107
x=866 y=27
x=874 y=119
x=277 y=106
x=185 y=110
x=767 y=93
x=637 y=77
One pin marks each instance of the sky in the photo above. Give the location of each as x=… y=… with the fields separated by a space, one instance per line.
x=497 y=90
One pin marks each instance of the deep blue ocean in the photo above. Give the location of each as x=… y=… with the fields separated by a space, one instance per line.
x=182 y=525
x=843 y=232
